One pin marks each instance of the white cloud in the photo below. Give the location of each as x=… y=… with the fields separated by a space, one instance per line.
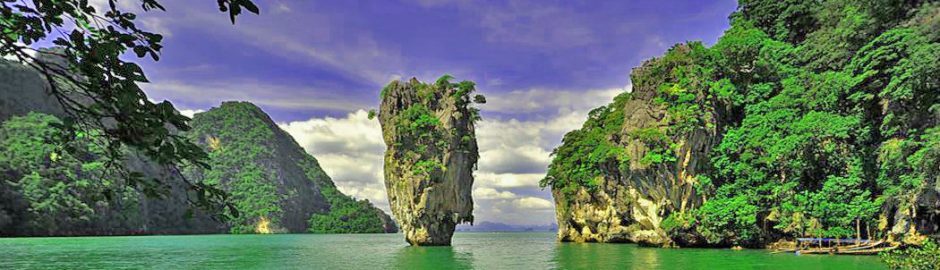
x=486 y=193
x=349 y=149
x=190 y=113
x=146 y=20
x=102 y=6
x=155 y=25
x=281 y=7
x=540 y=99
x=533 y=203
x=508 y=180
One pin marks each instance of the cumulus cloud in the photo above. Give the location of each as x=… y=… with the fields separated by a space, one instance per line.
x=533 y=203
x=508 y=180
x=486 y=193
x=190 y=113
x=549 y=100
x=349 y=149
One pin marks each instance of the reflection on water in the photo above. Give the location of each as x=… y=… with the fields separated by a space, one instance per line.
x=644 y=258
x=604 y=256
x=432 y=258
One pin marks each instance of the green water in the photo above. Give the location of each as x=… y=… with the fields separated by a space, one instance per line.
x=388 y=251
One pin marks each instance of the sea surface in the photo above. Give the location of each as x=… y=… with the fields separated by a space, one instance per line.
x=386 y=251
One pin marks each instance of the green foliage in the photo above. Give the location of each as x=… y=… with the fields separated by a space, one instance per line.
x=479 y=99
x=802 y=154
x=661 y=149
x=427 y=166
x=789 y=20
x=349 y=216
x=417 y=125
x=728 y=220
x=244 y=139
x=63 y=189
x=586 y=154
x=444 y=80
x=254 y=196
x=419 y=131
x=346 y=214
x=677 y=221
x=925 y=257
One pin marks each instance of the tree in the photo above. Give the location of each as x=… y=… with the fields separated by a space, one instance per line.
x=48 y=191
x=97 y=88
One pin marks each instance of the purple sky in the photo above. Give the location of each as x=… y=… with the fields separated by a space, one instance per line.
x=313 y=65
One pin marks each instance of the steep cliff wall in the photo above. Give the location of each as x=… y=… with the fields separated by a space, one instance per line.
x=431 y=155
x=637 y=172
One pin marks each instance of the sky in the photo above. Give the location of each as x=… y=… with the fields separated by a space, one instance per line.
x=317 y=66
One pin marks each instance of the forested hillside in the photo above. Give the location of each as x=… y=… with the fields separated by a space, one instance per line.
x=806 y=118
x=272 y=182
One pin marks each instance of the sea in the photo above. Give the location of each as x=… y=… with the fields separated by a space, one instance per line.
x=470 y=250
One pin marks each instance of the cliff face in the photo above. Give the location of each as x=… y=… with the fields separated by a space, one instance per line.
x=431 y=155
x=274 y=184
x=641 y=184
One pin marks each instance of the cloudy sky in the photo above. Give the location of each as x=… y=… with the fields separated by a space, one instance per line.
x=318 y=66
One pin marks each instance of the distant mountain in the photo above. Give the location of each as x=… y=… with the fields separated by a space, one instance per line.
x=487 y=226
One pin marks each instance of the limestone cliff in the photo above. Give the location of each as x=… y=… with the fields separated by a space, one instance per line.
x=431 y=155
x=637 y=186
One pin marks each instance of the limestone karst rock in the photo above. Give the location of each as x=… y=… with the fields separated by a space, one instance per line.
x=631 y=197
x=431 y=155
